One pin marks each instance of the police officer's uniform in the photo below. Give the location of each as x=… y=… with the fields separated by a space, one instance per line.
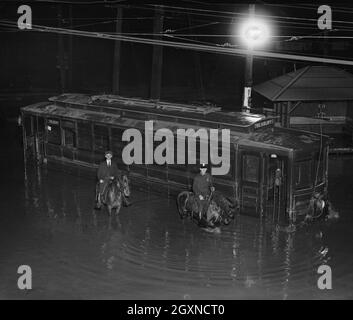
x=202 y=186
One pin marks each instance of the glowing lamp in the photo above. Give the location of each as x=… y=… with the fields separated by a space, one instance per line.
x=254 y=32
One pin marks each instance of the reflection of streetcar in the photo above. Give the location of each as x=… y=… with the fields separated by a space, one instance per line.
x=274 y=171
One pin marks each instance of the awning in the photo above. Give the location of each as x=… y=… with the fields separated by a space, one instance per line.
x=311 y=83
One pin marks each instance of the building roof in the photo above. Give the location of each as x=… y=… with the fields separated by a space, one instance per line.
x=311 y=83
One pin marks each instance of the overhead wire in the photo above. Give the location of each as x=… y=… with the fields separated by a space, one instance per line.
x=183 y=45
x=227 y=13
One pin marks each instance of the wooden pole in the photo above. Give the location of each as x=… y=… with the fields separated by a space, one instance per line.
x=288 y=107
x=248 y=74
x=70 y=57
x=157 y=60
x=117 y=52
x=61 y=53
x=198 y=70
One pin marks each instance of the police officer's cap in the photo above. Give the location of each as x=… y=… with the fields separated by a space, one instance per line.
x=203 y=166
x=108 y=152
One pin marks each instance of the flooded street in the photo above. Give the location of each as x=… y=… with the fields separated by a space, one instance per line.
x=47 y=221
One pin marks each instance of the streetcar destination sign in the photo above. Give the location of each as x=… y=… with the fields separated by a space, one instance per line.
x=265 y=123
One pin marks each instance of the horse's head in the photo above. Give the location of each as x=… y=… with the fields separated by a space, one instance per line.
x=113 y=197
x=213 y=213
x=214 y=208
x=113 y=186
x=125 y=185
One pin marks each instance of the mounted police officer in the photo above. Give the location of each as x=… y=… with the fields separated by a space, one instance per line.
x=107 y=170
x=202 y=188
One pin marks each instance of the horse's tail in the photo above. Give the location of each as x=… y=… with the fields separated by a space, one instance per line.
x=181 y=203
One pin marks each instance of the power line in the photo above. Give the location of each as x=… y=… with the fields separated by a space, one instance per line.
x=197 y=26
x=311 y=7
x=191 y=40
x=82 y=2
x=183 y=45
x=241 y=14
x=231 y=35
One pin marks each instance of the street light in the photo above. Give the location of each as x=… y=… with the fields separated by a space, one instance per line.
x=254 y=33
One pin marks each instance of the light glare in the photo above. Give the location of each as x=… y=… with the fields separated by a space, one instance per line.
x=254 y=32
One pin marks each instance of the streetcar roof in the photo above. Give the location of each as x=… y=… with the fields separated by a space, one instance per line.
x=274 y=138
x=209 y=114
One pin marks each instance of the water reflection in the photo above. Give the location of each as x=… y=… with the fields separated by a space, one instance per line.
x=148 y=252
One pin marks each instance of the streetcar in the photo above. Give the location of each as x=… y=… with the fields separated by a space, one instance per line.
x=275 y=173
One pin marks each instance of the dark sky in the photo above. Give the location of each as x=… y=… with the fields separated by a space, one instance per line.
x=30 y=59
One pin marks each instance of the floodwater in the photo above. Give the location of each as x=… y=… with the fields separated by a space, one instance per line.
x=47 y=221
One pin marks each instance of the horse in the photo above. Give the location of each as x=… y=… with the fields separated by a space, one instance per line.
x=215 y=215
x=114 y=193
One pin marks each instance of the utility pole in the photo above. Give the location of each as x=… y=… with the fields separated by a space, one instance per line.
x=326 y=44
x=61 y=53
x=70 y=57
x=117 y=52
x=248 y=78
x=198 y=69
x=157 y=60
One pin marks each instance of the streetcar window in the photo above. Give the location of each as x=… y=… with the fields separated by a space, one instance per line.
x=69 y=133
x=53 y=131
x=84 y=135
x=28 y=125
x=117 y=143
x=117 y=146
x=40 y=125
x=101 y=138
x=251 y=168
x=302 y=174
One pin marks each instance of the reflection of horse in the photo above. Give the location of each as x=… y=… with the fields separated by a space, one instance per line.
x=215 y=216
x=114 y=192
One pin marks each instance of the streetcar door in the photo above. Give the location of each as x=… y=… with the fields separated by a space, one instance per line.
x=68 y=134
x=39 y=137
x=250 y=188
x=29 y=140
x=276 y=191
